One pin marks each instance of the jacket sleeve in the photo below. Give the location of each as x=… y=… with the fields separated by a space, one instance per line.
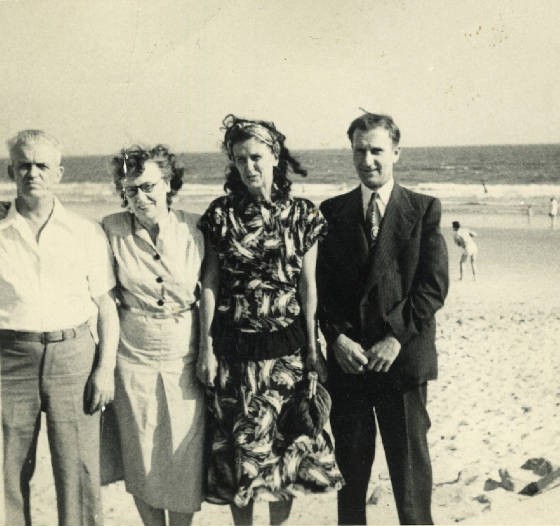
x=430 y=283
x=330 y=312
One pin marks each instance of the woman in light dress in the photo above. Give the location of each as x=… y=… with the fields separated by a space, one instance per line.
x=159 y=404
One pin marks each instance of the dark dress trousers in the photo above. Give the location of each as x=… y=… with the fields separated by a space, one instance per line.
x=395 y=288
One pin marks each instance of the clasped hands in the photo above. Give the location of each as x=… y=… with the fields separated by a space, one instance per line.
x=354 y=359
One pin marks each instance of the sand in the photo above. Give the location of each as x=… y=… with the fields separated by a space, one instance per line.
x=495 y=405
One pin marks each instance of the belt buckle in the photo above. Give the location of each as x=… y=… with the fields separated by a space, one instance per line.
x=58 y=336
x=171 y=313
x=52 y=337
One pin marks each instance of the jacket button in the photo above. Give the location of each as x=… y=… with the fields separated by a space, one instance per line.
x=157 y=257
x=160 y=303
x=159 y=279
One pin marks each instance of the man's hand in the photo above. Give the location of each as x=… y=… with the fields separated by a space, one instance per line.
x=349 y=355
x=100 y=389
x=382 y=355
x=206 y=366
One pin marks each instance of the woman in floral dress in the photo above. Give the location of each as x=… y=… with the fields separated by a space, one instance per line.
x=258 y=335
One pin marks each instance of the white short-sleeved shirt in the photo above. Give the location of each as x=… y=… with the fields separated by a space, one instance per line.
x=383 y=196
x=50 y=284
x=159 y=277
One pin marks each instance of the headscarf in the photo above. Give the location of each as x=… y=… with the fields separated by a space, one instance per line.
x=264 y=131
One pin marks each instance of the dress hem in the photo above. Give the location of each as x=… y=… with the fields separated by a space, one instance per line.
x=291 y=492
x=160 y=506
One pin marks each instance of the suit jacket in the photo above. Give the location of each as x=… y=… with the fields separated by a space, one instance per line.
x=396 y=288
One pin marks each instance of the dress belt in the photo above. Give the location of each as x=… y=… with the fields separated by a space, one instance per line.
x=42 y=337
x=158 y=314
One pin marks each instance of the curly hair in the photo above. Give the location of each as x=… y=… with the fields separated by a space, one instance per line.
x=131 y=161
x=239 y=130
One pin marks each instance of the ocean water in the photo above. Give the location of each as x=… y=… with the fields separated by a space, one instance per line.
x=477 y=179
x=508 y=164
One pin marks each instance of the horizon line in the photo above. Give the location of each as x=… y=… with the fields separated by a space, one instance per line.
x=191 y=152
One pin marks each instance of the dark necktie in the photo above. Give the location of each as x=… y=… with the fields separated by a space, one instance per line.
x=373 y=220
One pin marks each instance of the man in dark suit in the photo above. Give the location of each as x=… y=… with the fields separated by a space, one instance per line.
x=382 y=273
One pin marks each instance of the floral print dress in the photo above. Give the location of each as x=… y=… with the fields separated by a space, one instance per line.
x=259 y=340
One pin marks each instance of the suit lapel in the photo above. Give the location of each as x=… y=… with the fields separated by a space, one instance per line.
x=352 y=223
x=398 y=220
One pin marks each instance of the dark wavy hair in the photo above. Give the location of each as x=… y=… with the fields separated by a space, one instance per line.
x=370 y=121
x=135 y=157
x=239 y=130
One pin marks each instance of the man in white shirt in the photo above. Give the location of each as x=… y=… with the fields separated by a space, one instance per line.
x=55 y=275
x=463 y=238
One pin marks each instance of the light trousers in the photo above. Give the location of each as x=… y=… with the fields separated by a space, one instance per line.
x=50 y=377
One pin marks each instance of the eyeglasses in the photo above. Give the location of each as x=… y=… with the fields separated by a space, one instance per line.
x=132 y=190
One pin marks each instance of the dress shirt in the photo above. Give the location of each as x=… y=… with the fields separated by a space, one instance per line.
x=159 y=278
x=48 y=285
x=383 y=196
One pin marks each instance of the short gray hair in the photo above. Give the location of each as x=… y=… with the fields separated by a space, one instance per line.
x=26 y=137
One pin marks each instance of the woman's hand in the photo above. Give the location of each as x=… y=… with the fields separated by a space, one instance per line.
x=315 y=361
x=206 y=366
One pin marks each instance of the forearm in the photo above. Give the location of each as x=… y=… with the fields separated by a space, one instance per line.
x=207 y=309
x=108 y=330
x=308 y=298
x=209 y=295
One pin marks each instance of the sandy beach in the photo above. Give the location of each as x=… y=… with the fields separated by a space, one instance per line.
x=495 y=405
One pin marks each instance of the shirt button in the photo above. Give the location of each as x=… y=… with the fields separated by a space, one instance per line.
x=160 y=303
x=159 y=279
x=157 y=257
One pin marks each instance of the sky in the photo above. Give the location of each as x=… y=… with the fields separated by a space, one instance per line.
x=101 y=75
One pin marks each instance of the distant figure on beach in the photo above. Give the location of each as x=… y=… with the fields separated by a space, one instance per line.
x=553 y=212
x=258 y=330
x=464 y=238
x=159 y=403
x=382 y=273
x=56 y=276
x=530 y=214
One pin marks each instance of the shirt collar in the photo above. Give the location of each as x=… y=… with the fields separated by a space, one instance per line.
x=383 y=193
x=59 y=213
x=277 y=202
x=163 y=224
x=13 y=217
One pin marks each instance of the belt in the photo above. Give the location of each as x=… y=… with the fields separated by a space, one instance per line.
x=159 y=314
x=42 y=337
